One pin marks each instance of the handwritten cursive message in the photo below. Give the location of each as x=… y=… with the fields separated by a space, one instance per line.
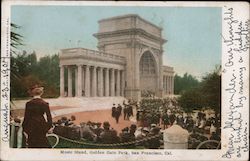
x=5 y=89
x=236 y=42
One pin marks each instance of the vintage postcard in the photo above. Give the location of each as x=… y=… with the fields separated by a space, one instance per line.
x=89 y=80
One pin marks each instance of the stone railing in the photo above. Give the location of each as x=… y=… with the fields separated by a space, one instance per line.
x=167 y=69
x=89 y=52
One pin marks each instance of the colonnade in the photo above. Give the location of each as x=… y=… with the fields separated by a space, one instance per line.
x=91 y=81
x=168 y=84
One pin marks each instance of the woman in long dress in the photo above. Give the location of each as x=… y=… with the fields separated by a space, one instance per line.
x=35 y=126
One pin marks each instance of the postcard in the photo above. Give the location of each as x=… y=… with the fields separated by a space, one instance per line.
x=105 y=80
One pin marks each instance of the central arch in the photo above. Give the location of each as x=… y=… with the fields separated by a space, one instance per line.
x=148 y=72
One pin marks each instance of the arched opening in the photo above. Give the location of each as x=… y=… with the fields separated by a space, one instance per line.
x=148 y=74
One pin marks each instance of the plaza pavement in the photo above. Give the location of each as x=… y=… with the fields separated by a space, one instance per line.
x=75 y=104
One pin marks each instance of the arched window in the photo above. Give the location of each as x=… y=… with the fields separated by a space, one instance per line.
x=147 y=64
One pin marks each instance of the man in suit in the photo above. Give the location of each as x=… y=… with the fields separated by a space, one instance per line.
x=113 y=110
x=35 y=126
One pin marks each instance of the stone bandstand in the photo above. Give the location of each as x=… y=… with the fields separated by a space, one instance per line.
x=128 y=61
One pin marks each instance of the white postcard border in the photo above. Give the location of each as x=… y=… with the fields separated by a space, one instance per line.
x=241 y=12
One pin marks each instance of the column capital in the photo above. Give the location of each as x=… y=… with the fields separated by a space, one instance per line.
x=100 y=67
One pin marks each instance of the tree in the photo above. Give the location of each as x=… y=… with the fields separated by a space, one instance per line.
x=211 y=90
x=28 y=69
x=191 y=100
x=16 y=40
x=15 y=37
x=184 y=83
x=23 y=84
x=206 y=95
x=48 y=71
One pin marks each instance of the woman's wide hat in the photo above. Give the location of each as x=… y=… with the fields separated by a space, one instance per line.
x=36 y=90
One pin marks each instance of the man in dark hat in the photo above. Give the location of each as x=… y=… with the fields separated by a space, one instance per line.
x=124 y=135
x=108 y=136
x=117 y=114
x=113 y=110
x=132 y=131
x=119 y=108
x=125 y=112
x=98 y=129
x=154 y=143
x=35 y=126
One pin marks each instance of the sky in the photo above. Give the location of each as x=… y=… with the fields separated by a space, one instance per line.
x=192 y=33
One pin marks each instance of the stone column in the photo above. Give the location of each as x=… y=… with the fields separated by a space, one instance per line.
x=168 y=84
x=118 y=88
x=160 y=87
x=122 y=82
x=94 y=82
x=171 y=78
x=163 y=83
x=83 y=81
x=69 y=81
x=79 y=81
x=106 y=82
x=172 y=84
x=100 y=82
x=62 y=81
x=76 y=81
x=87 y=81
x=112 y=83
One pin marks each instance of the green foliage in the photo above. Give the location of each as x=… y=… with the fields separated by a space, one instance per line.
x=211 y=89
x=191 y=100
x=184 y=83
x=20 y=86
x=26 y=70
x=15 y=37
x=206 y=95
x=30 y=71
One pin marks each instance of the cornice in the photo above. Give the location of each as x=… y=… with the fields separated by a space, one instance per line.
x=133 y=31
x=131 y=16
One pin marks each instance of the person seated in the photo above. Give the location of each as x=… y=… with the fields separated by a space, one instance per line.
x=143 y=134
x=86 y=132
x=180 y=120
x=124 y=135
x=73 y=118
x=98 y=130
x=154 y=143
x=216 y=135
x=64 y=121
x=108 y=136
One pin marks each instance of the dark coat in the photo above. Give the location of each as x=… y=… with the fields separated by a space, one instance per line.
x=34 y=123
x=113 y=111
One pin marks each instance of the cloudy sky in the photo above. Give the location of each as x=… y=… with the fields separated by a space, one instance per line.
x=193 y=34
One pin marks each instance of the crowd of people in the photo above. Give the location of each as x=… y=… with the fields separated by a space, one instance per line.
x=103 y=133
x=127 y=111
x=166 y=112
x=153 y=116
